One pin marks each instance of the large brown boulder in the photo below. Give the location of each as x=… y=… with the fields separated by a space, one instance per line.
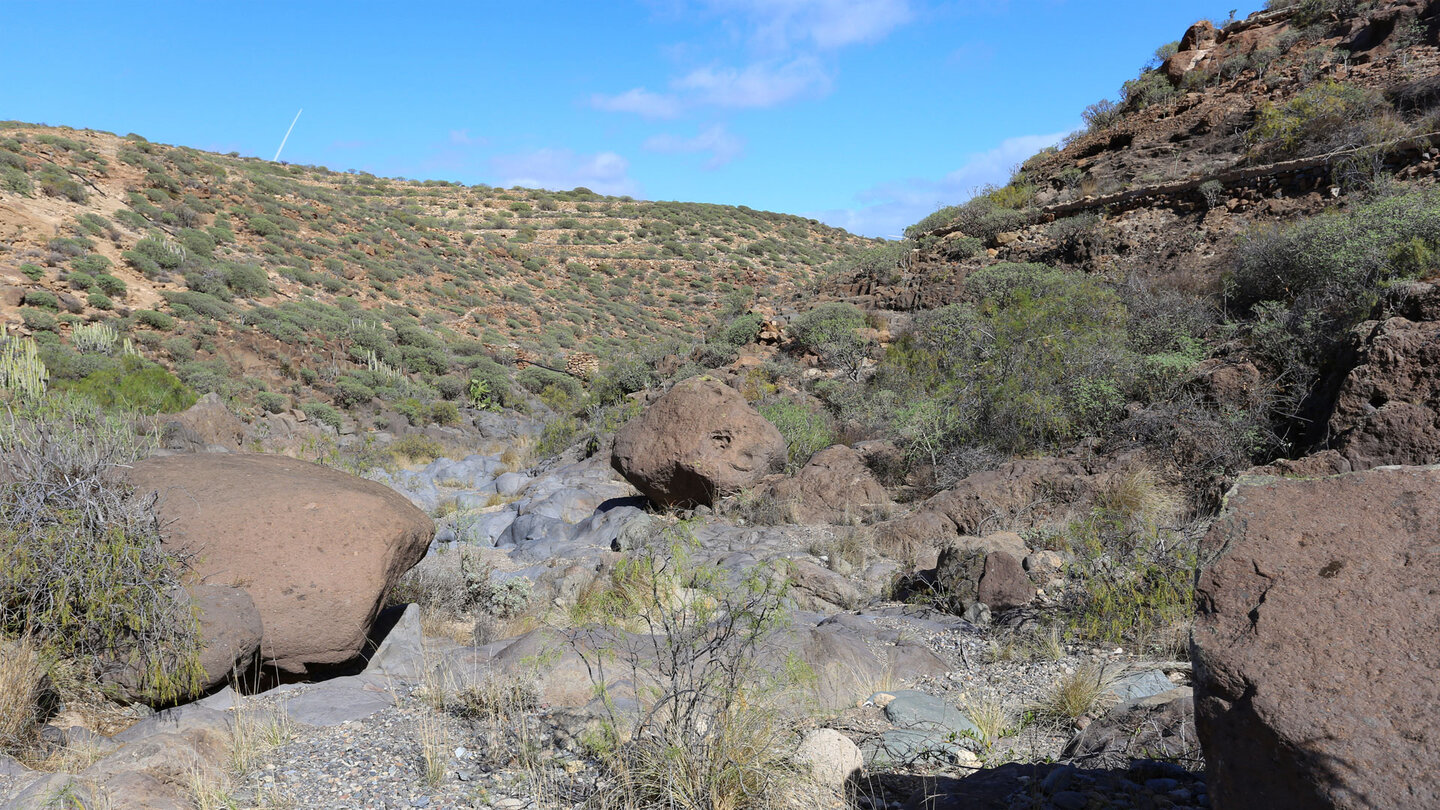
x=834 y=487
x=1388 y=407
x=699 y=441
x=316 y=549
x=1315 y=646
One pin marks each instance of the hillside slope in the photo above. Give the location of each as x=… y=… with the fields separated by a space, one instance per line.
x=245 y=275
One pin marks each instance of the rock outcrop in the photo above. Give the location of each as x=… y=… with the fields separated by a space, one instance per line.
x=699 y=441
x=316 y=549
x=1315 y=645
x=834 y=487
x=1388 y=407
x=207 y=425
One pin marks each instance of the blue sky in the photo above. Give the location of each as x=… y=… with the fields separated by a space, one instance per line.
x=867 y=114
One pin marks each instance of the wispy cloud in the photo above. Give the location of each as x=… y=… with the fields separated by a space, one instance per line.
x=755 y=85
x=640 y=101
x=888 y=208
x=824 y=24
x=562 y=169
x=790 y=44
x=721 y=145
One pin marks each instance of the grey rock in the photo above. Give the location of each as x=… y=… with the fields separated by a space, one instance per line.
x=916 y=710
x=483 y=529
x=402 y=654
x=1140 y=685
x=905 y=746
x=978 y=614
x=332 y=702
x=186 y=717
x=511 y=483
x=10 y=767
x=53 y=790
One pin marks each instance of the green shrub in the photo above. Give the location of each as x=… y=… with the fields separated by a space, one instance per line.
x=247 y=280
x=417 y=447
x=82 y=567
x=100 y=301
x=1320 y=118
x=90 y=264
x=445 y=413
x=155 y=320
x=806 y=431
x=134 y=384
x=32 y=271
x=15 y=180
x=42 y=299
x=271 y=402
x=39 y=320
x=80 y=281
x=322 y=413
x=831 y=331
x=110 y=285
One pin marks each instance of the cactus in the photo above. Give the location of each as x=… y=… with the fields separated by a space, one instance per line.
x=94 y=338
x=21 y=370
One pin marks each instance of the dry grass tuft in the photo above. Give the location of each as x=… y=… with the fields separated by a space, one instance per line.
x=21 y=675
x=1082 y=692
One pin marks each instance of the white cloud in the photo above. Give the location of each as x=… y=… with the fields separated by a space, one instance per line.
x=722 y=146
x=824 y=24
x=562 y=170
x=756 y=85
x=640 y=101
x=787 y=40
x=888 y=208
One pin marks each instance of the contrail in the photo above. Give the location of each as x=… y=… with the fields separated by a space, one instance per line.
x=287 y=134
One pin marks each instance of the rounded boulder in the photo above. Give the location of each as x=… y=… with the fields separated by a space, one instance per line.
x=698 y=442
x=316 y=549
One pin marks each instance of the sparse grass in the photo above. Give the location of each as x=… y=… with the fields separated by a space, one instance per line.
x=1075 y=695
x=254 y=735
x=435 y=746
x=992 y=718
x=21 y=673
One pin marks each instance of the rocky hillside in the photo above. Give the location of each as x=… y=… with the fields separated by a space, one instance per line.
x=246 y=276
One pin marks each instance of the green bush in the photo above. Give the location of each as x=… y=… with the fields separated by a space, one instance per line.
x=247 y=280
x=831 y=331
x=322 y=413
x=271 y=402
x=134 y=384
x=32 y=271
x=100 y=301
x=110 y=285
x=90 y=264
x=80 y=281
x=38 y=320
x=155 y=320
x=1323 y=117
x=42 y=299
x=806 y=431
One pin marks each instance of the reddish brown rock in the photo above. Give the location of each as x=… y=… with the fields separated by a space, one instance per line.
x=1003 y=583
x=1236 y=383
x=699 y=441
x=834 y=487
x=1388 y=408
x=1315 y=646
x=316 y=549
x=204 y=425
x=1027 y=489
